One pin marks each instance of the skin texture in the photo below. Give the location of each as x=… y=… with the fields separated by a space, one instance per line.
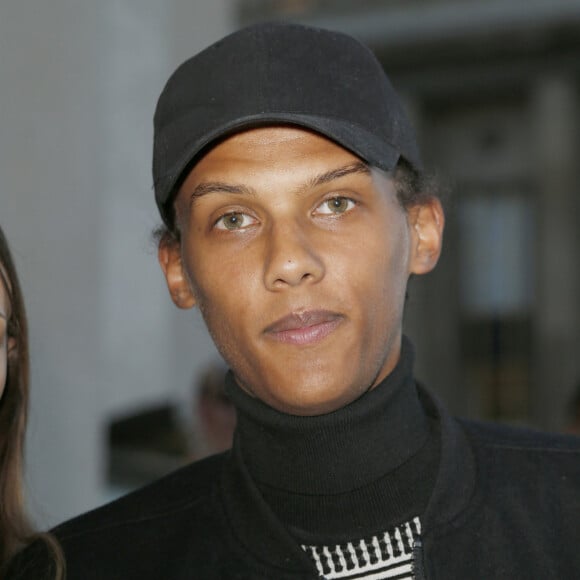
x=298 y=256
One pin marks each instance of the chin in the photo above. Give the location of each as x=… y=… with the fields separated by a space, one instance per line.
x=313 y=401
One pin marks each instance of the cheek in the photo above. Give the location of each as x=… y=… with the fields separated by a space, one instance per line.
x=224 y=290
x=383 y=262
x=221 y=277
x=382 y=279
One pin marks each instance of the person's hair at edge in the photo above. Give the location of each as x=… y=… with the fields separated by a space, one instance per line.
x=15 y=529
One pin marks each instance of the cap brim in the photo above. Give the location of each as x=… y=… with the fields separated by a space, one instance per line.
x=352 y=137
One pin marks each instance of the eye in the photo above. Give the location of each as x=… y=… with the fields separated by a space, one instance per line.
x=335 y=205
x=234 y=221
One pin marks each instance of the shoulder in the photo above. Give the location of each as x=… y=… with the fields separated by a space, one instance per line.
x=515 y=438
x=174 y=493
x=526 y=500
x=522 y=456
x=176 y=509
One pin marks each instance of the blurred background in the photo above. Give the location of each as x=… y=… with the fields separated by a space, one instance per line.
x=493 y=87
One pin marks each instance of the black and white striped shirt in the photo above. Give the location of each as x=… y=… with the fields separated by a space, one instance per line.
x=383 y=556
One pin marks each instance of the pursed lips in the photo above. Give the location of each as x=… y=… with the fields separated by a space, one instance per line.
x=304 y=328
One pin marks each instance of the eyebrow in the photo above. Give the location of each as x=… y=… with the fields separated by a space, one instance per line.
x=358 y=167
x=218 y=187
x=222 y=187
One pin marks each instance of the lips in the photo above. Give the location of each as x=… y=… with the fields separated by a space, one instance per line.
x=304 y=328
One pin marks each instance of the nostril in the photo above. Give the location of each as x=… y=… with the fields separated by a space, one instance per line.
x=290 y=260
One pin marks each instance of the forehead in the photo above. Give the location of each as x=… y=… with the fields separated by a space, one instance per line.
x=278 y=149
x=272 y=134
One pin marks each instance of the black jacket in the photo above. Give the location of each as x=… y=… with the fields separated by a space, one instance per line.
x=506 y=504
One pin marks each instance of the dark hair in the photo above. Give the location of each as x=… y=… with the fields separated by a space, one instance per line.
x=412 y=188
x=15 y=529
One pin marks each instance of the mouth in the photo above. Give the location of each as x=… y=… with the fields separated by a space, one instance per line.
x=304 y=328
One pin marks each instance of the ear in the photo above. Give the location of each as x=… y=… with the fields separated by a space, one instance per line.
x=426 y=222
x=169 y=256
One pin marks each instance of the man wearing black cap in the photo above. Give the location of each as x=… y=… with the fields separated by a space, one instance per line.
x=291 y=187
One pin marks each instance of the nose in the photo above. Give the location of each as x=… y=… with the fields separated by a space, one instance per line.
x=291 y=258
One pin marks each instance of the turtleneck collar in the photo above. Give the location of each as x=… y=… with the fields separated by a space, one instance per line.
x=337 y=452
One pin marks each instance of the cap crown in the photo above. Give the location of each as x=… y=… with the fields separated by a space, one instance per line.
x=278 y=74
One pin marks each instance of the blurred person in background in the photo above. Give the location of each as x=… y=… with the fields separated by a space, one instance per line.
x=15 y=530
x=151 y=441
x=296 y=208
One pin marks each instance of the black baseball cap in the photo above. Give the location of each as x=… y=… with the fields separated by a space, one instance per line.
x=276 y=74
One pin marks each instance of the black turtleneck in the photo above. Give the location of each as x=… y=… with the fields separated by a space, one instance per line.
x=347 y=474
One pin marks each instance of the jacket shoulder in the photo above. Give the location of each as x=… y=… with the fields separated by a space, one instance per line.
x=164 y=512
x=521 y=519
x=525 y=439
x=541 y=462
x=179 y=490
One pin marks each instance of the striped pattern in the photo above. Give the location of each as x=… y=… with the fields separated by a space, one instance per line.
x=389 y=555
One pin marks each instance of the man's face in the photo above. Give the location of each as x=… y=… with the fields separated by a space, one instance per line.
x=298 y=257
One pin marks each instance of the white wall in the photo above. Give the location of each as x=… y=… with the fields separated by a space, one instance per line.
x=78 y=85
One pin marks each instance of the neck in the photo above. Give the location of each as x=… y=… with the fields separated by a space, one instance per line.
x=360 y=470
x=339 y=451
